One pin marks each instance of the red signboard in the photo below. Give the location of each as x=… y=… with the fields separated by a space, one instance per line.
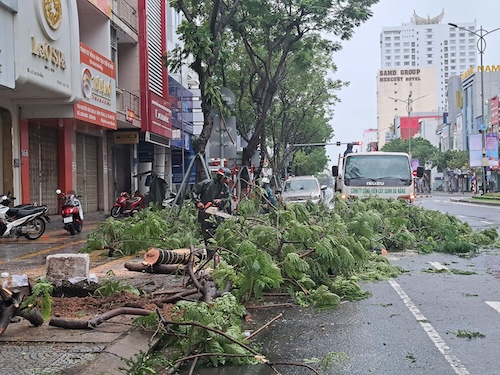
x=98 y=104
x=160 y=116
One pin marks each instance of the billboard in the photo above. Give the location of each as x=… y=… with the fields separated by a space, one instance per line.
x=98 y=104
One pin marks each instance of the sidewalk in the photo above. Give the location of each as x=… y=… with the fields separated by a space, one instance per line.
x=29 y=350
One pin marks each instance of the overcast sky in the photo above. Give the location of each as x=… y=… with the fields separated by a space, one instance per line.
x=359 y=60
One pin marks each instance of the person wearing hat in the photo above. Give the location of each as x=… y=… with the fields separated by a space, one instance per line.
x=211 y=192
x=348 y=149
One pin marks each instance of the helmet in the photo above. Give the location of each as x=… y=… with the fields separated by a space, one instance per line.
x=4 y=200
x=265 y=180
x=349 y=145
x=225 y=172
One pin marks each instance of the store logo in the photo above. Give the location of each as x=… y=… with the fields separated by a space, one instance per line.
x=52 y=10
x=87 y=83
x=96 y=88
x=50 y=17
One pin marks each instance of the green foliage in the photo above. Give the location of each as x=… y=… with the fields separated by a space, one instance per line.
x=40 y=295
x=421 y=149
x=148 y=228
x=112 y=287
x=145 y=363
x=225 y=315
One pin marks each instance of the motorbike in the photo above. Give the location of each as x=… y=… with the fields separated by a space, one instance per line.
x=26 y=220
x=127 y=205
x=71 y=211
x=169 y=202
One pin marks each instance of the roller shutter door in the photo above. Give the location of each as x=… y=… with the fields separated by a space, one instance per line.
x=123 y=172
x=43 y=166
x=86 y=171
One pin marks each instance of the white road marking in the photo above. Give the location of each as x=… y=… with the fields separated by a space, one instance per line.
x=486 y=222
x=482 y=206
x=438 y=266
x=494 y=304
x=440 y=344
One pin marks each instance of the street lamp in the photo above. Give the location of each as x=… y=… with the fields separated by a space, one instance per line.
x=408 y=103
x=481 y=47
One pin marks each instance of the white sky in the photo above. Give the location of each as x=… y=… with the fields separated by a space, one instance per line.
x=359 y=60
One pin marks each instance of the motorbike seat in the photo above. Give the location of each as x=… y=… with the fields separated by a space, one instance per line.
x=25 y=211
x=133 y=199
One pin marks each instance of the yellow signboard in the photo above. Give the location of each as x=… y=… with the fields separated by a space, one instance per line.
x=126 y=138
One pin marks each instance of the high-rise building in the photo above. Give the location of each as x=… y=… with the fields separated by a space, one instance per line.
x=417 y=60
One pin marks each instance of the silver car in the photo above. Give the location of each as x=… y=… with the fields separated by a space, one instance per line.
x=301 y=189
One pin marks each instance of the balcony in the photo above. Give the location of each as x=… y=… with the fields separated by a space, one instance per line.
x=126 y=105
x=125 y=20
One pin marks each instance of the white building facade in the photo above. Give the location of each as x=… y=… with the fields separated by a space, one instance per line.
x=435 y=49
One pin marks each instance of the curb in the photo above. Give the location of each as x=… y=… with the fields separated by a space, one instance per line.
x=125 y=347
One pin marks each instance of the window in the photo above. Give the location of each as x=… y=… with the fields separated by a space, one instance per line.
x=429 y=55
x=397 y=64
x=461 y=35
x=397 y=50
x=413 y=44
x=406 y=44
x=387 y=38
x=397 y=38
x=406 y=63
x=397 y=57
x=387 y=51
x=453 y=42
x=429 y=43
x=406 y=56
x=453 y=35
x=406 y=50
x=472 y=40
x=388 y=45
x=445 y=55
x=429 y=49
x=388 y=57
x=462 y=41
x=397 y=44
x=429 y=62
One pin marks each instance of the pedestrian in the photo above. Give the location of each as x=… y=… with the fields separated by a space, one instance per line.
x=268 y=198
x=348 y=149
x=211 y=192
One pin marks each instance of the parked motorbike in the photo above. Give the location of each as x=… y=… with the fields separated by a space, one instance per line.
x=127 y=205
x=71 y=211
x=169 y=202
x=25 y=220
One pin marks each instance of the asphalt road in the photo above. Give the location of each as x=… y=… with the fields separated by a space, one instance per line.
x=410 y=324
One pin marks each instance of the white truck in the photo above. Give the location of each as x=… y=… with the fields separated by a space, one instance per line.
x=382 y=174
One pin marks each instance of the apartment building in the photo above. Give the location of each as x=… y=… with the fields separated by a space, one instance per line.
x=435 y=49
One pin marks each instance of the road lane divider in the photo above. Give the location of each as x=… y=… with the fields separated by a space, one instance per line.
x=438 y=341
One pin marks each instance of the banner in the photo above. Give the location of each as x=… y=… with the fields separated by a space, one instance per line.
x=492 y=149
x=475 y=150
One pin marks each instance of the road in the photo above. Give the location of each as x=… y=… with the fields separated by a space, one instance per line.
x=410 y=325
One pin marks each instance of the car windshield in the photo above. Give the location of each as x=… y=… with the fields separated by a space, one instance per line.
x=300 y=185
x=377 y=167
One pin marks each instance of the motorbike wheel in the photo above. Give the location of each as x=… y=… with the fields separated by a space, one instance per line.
x=77 y=224
x=36 y=228
x=115 y=211
x=71 y=229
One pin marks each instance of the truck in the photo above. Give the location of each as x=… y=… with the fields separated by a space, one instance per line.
x=386 y=175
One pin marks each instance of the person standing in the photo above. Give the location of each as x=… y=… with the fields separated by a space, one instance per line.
x=268 y=198
x=348 y=149
x=211 y=192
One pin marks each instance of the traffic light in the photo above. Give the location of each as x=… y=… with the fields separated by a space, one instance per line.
x=338 y=143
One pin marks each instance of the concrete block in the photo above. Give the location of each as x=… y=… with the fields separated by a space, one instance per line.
x=67 y=266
